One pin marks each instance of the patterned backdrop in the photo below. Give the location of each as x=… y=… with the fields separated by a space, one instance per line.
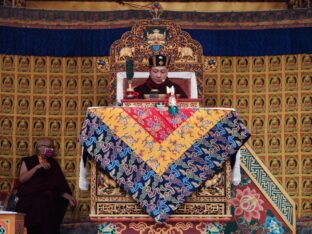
x=48 y=96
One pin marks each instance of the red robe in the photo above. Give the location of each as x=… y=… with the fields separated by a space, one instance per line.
x=40 y=197
x=150 y=84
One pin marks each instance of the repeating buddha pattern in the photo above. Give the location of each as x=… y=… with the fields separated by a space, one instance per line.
x=46 y=96
x=273 y=97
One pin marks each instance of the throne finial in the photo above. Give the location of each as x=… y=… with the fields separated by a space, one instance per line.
x=156 y=10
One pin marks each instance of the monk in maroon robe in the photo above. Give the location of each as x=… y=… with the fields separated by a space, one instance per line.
x=158 y=79
x=44 y=193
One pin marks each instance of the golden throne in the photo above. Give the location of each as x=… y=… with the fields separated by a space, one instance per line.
x=213 y=199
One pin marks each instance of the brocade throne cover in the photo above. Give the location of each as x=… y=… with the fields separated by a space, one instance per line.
x=158 y=159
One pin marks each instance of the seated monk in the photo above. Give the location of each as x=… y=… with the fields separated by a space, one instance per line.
x=158 y=79
x=44 y=192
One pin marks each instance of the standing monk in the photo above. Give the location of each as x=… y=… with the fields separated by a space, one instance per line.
x=44 y=193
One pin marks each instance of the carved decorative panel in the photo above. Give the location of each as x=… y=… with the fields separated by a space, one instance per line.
x=109 y=201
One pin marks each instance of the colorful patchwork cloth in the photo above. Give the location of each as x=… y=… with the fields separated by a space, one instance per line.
x=159 y=159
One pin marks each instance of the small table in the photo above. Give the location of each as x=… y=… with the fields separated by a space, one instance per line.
x=182 y=103
x=12 y=222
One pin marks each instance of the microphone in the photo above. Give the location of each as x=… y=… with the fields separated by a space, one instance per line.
x=129 y=68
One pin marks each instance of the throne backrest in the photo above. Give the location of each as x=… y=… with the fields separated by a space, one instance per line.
x=186 y=80
x=149 y=37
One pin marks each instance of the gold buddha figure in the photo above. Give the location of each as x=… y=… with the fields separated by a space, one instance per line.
x=274 y=124
x=70 y=127
x=226 y=84
x=56 y=65
x=38 y=127
x=307 y=209
x=258 y=124
x=40 y=85
x=292 y=187
x=275 y=166
x=258 y=104
x=55 y=106
x=7 y=104
x=291 y=165
x=70 y=147
x=306 y=123
x=6 y=146
x=7 y=84
x=55 y=127
x=5 y=166
x=275 y=104
x=71 y=65
x=6 y=125
x=291 y=143
x=306 y=143
x=22 y=126
x=40 y=65
x=70 y=167
x=56 y=85
x=23 y=105
x=23 y=64
x=242 y=84
x=274 y=144
x=39 y=105
x=86 y=65
x=291 y=83
x=291 y=124
x=306 y=187
x=307 y=166
x=22 y=147
x=23 y=84
x=71 y=85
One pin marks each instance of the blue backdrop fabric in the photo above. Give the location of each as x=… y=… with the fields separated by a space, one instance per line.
x=97 y=42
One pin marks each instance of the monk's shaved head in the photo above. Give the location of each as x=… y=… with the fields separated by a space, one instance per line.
x=43 y=142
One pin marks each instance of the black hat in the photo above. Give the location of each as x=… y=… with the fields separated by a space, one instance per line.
x=158 y=60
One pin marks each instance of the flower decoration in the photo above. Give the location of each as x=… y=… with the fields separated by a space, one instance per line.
x=211 y=64
x=100 y=64
x=273 y=225
x=248 y=203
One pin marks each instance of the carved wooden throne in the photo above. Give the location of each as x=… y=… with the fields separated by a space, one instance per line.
x=213 y=199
